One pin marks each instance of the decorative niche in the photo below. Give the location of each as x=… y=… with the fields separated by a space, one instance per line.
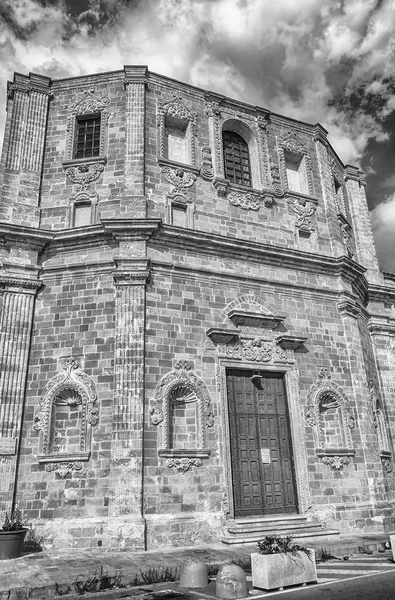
x=183 y=411
x=180 y=210
x=330 y=416
x=177 y=132
x=65 y=419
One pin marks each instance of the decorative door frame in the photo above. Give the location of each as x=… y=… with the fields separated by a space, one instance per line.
x=297 y=428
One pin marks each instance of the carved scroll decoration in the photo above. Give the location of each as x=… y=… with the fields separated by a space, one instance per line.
x=305 y=210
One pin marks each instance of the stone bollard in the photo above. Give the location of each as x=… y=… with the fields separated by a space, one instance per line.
x=231 y=582
x=193 y=574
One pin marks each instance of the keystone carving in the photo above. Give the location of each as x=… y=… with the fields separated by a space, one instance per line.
x=183 y=464
x=179 y=178
x=83 y=175
x=305 y=210
x=336 y=462
x=64 y=468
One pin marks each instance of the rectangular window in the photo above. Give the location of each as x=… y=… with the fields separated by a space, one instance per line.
x=87 y=140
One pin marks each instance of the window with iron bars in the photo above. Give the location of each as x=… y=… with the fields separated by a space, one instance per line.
x=87 y=139
x=236 y=159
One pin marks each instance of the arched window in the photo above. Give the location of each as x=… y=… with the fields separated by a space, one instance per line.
x=236 y=159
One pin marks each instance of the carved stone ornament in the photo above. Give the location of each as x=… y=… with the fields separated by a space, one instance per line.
x=182 y=385
x=183 y=464
x=176 y=109
x=258 y=349
x=64 y=469
x=247 y=200
x=83 y=175
x=387 y=464
x=336 y=462
x=378 y=419
x=323 y=396
x=179 y=178
x=206 y=171
x=88 y=103
x=305 y=210
x=70 y=389
x=276 y=180
x=346 y=231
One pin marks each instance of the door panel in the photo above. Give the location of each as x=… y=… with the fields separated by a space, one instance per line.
x=258 y=419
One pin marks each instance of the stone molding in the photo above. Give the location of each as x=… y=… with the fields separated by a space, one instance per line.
x=346 y=231
x=135 y=75
x=326 y=390
x=320 y=134
x=350 y=308
x=131 y=271
x=385 y=327
x=354 y=174
x=10 y=283
x=182 y=385
x=82 y=391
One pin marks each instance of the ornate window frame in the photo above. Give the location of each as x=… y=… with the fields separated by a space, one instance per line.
x=182 y=376
x=176 y=109
x=334 y=456
x=73 y=378
x=88 y=104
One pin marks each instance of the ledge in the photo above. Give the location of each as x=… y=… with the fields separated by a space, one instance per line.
x=222 y=336
x=165 y=162
x=299 y=196
x=291 y=342
x=250 y=319
x=61 y=458
x=187 y=453
x=77 y=162
x=335 y=452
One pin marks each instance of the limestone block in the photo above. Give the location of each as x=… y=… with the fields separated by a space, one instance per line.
x=272 y=571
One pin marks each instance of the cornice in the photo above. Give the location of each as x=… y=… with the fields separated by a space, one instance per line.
x=209 y=243
x=35 y=238
x=385 y=326
x=131 y=229
x=11 y=283
x=381 y=293
x=131 y=271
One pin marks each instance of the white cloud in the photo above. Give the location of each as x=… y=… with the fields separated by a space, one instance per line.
x=383 y=223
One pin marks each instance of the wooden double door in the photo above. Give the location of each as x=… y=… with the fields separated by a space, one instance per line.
x=260 y=444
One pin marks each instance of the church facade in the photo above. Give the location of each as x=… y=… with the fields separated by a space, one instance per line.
x=195 y=336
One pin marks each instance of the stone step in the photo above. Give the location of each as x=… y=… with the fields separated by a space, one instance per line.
x=274 y=519
x=266 y=528
x=252 y=538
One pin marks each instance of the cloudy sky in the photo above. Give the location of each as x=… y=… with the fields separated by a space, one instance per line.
x=324 y=61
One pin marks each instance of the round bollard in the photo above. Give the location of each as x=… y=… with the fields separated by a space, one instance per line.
x=231 y=582
x=193 y=574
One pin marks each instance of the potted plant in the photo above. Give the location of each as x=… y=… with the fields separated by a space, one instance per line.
x=280 y=562
x=12 y=535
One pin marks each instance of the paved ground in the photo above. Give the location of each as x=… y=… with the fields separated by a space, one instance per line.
x=47 y=575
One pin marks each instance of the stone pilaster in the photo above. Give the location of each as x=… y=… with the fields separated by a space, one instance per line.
x=134 y=204
x=127 y=440
x=321 y=143
x=362 y=228
x=29 y=97
x=16 y=319
x=362 y=368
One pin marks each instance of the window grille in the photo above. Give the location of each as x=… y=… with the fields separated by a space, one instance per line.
x=87 y=141
x=236 y=159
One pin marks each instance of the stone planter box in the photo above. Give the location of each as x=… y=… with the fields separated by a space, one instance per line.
x=273 y=571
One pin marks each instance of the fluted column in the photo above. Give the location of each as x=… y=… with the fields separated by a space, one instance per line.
x=28 y=103
x=135 y=85
x=127 y=439
x=16 y=319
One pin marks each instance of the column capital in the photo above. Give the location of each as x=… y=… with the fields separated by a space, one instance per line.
x=135 y=74
x=15 y=284
x=131 y=271
x=320 y=134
